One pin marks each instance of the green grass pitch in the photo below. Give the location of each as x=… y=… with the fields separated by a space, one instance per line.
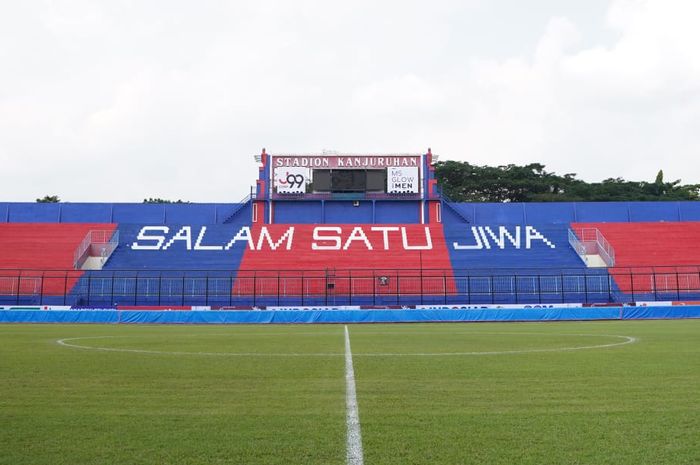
x=515 y=393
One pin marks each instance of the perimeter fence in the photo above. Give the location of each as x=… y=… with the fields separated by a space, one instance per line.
x=331 y=287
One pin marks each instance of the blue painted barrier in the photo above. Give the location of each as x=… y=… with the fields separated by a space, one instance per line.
x=59 y=316
x=346 y=316
x=655 y=313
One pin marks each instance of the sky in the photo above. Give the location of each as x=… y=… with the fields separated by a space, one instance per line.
x=117 y=101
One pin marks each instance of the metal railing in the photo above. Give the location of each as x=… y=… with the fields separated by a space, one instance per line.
x=241 y=204
x=346 y=287
x=577 y=245
x=589 y=241
x=20 y=286
x=105 y=241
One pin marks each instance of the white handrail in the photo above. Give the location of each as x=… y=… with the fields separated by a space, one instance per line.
x=590 y=241
x=605 y=250
x=109 y=238
x=577 y=245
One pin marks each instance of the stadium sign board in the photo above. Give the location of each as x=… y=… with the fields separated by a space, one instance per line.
x=346 y=161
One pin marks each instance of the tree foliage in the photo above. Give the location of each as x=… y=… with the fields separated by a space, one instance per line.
x=159 y=200
x=464 y=182
x=49 y=199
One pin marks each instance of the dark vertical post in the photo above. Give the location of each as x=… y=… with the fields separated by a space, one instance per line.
x=136 y=288
x=421 y=276
x=469 y=289
x=206 y=291
x=182 y=299
x=255 y=290
x=539 y=288
x=632 y=283
x=398 y=288
x=41 y=289
x=19 y=284
x=160 y=282
x=89 y=286
x=515 y=287
x=585 y=287
x=653 y=284
x=278 y=288
x=230 y=290
x=65 y=286
x=112 y=301
x=303 y=281
x=444 y=286
x=374 y=289
x=561 y=276
x=350 y=287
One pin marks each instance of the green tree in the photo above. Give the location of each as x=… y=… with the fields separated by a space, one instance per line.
x=464 y=182
x=159 y=200
x=49 y=199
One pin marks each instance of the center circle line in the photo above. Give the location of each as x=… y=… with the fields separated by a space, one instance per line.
x=626 y=340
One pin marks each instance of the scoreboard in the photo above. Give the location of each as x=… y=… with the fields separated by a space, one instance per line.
x=391 y=174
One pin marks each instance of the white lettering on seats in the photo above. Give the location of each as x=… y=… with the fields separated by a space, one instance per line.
x=184 y=234
x=385 y=233
x=243 y=235
x=428 y=241
x=144 y=236
x=481 y=236
x=288 y=235
x=533 y=234
x=357 y=234
x=198 y=243
x=319 y=237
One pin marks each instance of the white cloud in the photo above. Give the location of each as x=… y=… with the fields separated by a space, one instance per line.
x=117 y=101
x=626 y=110
x=408 y=93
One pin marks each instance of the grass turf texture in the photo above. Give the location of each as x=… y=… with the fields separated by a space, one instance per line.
x=630 y=404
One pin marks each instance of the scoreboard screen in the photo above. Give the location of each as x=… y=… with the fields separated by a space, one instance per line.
x=345 y=180
x=348 y=180
x=321 y=180
x=376 y=180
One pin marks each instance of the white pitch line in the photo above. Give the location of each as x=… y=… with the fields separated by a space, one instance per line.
x=65 y=343
x=352 y=417
x=626 y=340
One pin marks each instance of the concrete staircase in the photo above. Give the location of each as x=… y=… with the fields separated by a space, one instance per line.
x=592 y=247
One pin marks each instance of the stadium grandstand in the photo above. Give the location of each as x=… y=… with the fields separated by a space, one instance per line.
x=369 y=231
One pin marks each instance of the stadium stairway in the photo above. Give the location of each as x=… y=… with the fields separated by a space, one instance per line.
x=241 y=210
x=456 y=210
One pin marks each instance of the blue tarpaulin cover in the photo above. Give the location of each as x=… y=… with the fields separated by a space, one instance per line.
x=346 y=316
